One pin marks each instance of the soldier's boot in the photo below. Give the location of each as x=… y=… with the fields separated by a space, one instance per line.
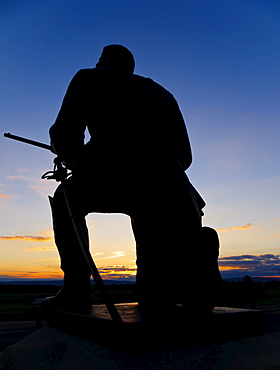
x=74 y=296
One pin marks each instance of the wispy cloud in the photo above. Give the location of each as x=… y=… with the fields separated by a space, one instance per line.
x=117 y=254
x=8 y=196
x=117 y=272
x=36 y=183
x=53 y=271
x=97 y=254
x=7 y=277
x=19 y=177
x=254 y=265
x=27 y=238
x=48 y=248
x=244 y=227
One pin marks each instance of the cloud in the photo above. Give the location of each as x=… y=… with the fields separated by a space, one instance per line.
x=48 y=248
x=253 y=265
x=7 y=277
x=55 y=267
x=116 y=255
x=19 y=177
x=117 y=272
x=27 y=238
x=244 y=227
x=9 y=196
x=97 y=254
x=40 y=186
x=51 y=273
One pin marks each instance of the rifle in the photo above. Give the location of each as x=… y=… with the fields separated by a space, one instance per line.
x=60 y=174
x=28 y=141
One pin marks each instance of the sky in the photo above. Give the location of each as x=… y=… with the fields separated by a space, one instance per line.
x=220 y=59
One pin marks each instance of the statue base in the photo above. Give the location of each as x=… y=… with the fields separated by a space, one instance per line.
x=174 y=329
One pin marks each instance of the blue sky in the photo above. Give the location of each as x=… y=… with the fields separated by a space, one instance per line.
x=221 y=61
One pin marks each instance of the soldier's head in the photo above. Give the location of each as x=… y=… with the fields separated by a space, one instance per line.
x=118 y=58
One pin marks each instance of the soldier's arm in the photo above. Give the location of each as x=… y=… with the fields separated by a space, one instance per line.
x=67 y=132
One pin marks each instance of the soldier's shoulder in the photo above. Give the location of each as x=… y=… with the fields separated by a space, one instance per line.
x=85 y=72
x=152 y=84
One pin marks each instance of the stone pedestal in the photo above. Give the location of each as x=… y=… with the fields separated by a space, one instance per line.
x=165 y=331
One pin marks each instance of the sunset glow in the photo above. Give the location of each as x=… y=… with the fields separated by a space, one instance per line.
x=26 y=238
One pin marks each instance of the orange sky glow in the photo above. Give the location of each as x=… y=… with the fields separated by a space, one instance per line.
x=33 y=257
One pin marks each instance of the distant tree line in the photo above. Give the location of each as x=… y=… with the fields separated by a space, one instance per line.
x=249 y=293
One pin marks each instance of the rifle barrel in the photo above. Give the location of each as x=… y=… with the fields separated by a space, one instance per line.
x=28 y=141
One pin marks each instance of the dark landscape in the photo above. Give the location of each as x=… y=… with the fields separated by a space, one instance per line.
x=16 y=297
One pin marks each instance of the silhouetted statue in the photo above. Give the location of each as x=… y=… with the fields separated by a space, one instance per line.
x=134 y=164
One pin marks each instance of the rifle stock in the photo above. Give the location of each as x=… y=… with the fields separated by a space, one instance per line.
x=28 y=141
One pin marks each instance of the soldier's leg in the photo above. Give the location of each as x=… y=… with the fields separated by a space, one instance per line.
x=158 y=270
x=204 y=280
x=150 y=289
x=76 y=293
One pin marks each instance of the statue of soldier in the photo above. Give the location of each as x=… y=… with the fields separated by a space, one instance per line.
x=134 y=163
